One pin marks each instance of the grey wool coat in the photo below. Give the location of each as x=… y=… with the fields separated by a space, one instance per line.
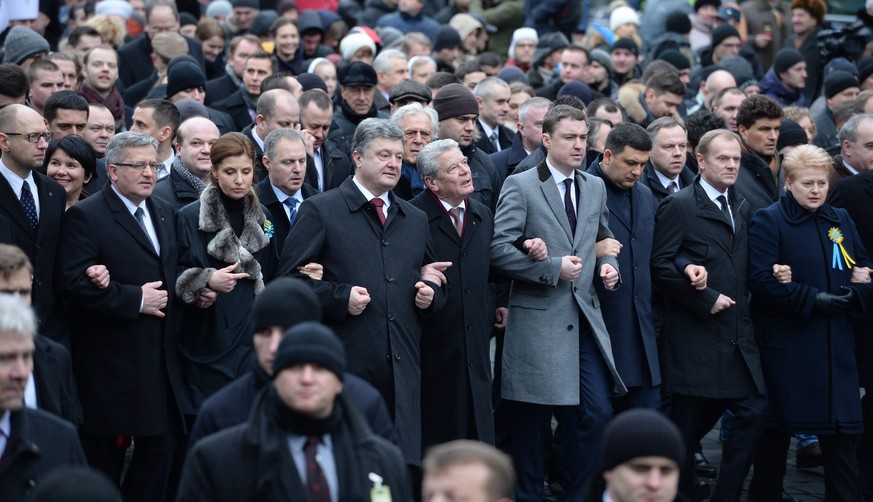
x=541 y=351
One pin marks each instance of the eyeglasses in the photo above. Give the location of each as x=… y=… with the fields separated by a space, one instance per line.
x=139 y=166
x=32 y=137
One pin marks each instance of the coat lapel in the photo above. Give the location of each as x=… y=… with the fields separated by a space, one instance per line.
x=126 y=220
x=45 y=216
x=553 y=198
x=10 y=202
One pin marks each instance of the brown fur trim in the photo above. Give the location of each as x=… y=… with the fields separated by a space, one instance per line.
x=629 y=99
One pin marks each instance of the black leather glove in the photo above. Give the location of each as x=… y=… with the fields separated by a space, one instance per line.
x=832 y=304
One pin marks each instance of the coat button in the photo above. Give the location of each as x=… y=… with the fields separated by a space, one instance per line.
x=466 y=290
x=396 y=356
x=390 y=317
x=569 y=327
x=389 y=278
x=469 y=327
x=385 y=243
x=388 y=358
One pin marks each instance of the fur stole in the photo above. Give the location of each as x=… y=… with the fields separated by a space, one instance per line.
x=226 y=246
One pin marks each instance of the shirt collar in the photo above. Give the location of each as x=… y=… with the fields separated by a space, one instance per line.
x=447 y=206
x=665 y=181
x=281 y=196
x=15 y=180
x=487 y=129
x=850 y=168
x=711 y=192
x=128 y=203
x=558 y=176
x=6 y=425
x=367 y=195
x=257 y=138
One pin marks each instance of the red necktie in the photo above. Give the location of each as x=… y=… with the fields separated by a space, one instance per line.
x=316 y=483
x=378 y=203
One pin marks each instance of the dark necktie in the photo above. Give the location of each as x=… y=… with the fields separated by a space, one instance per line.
x=29 y=205
x=140 y=218
x=291 y=202
x=673 y=187
x=456 y=219
x=494 y=140
x=568 y=204
x=316 y=483
x=725 y=209
x=378 y=203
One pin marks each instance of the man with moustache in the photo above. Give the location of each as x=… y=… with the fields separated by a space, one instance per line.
x=283 y=189
x=758 y=121
x=665 y=171
x=31 y=205
x=119 y=226
x=191 y=165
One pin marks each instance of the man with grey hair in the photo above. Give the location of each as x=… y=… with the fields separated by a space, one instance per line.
x=32 y=442
x=191 y=165
x=856 y=148
x=455 y=364
x=368 y=241
x=419 y=126
x=283 y=189
x=117 y=227
x=492 y=95
x=390 y=66
x=276 y=108
x=528 y=138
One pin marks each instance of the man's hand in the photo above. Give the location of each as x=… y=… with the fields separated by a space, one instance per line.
x=424 y=295
x=607 y=247
x=358 y=300
x=762 y=40
x=308 y=140
x=153 y=299
x=433 y=272
x=571 y=267
x=206 y=298
x=536 y=249
x=609 y=275
x=782 y=273
x=697 y=275
x=722 y=303
x=861 y=275
x=314 y=271
x=500 y=316
x=99 y=275
x=223 y=280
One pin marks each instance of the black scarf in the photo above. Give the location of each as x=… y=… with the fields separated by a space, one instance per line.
x=353 y=116
x=270 y=423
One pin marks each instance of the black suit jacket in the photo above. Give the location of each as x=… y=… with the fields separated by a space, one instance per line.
x=505 y=160
x=134 y=63
x=260 y=172
x=651 y=180
x=53 y=375
x=504 y=137
x=175 y=191
x=39 y=245
x=855 y=195
x=235 y=106
x=280 y=221
x=337 y=167
x=124 y=362
x=219 y=88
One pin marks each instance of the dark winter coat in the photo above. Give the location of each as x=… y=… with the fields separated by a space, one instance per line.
x=704 y=355
x=240 y=463
x=455 y=363
x=808 y=357
x=39 y=442
x=175 y=191
x=215 y=343
x=486 y=181
x=773 y=87
x=340 y=230
x=814 y=64
x=756 y=183
x=134 y=63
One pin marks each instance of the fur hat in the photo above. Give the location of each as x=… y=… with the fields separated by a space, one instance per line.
x=785 y=59
x=816 y=8
x=354 y=41
x=621 y=16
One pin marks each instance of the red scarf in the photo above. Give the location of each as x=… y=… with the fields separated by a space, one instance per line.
x=114 y=102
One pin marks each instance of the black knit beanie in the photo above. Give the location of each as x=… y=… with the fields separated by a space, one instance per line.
x=641 y=432
x=785 y=59
x=791 y=134
x=285 y=302
x=723 y=32
x=311 y=343
x=838 y=82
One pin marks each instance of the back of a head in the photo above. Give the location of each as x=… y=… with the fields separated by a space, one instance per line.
x=285 y=302
x=164 y=113
x=13 y=82
x=628 y=135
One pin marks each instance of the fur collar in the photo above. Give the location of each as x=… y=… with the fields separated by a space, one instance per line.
x=226 y=246
x=629 y=99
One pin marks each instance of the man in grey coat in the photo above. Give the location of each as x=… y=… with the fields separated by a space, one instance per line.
x=557 y=351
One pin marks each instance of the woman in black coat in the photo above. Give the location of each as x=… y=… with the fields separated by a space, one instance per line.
x=804 y=328
x=225 y=255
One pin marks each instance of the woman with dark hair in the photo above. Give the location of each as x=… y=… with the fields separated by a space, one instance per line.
x=289 y=52
x=71 y=161
x=212 y=38
x=804 y=328
x=226 y=253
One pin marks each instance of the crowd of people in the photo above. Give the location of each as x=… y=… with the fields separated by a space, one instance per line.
x=434 y=250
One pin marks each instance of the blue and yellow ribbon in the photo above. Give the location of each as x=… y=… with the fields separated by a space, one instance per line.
x=836 y=236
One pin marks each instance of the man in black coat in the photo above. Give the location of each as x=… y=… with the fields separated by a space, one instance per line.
x=134 y=57
x=283 y=304
x=276 y=108
x=191 y=165
x=123 y=343
x=666 y=172
x=455 y=364
x=242 y=104
x=304 y=439
x=762 y=182
x=357 y=93
x=528 y=138
x=372 y=245
x=709 y=357
x=855 y=194
x=31 y=221
x=326 y=166
x=283 y=189
x=492 y=94
x=239 y=49
x=35 y=442
x=627 y=312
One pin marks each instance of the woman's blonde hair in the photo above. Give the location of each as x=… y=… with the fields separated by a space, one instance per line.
x=806 y=156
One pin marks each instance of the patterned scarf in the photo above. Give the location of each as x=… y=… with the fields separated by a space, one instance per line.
x=186 y=175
